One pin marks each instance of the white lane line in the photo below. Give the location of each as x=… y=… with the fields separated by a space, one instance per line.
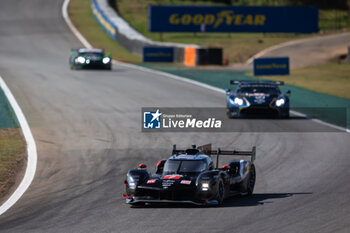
x=88 y=45
x=31 y=151
x=75 y=31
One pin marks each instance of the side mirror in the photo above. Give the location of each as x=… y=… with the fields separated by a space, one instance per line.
x=72 y=53
x=227 y=90
x=288 y=92
x=142 y=165
x=108 y=54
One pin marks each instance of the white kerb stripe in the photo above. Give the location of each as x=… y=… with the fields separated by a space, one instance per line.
x=31 y=151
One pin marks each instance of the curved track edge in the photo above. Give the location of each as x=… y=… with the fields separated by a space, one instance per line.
x=31 y=151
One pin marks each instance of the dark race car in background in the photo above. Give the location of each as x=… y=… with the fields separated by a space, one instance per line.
x=257 y=99
x=84 y=58
x=189 y=176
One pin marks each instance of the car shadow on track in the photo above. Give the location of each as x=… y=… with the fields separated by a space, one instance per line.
x=258 y=199
x=236 y=201
x=94 y=70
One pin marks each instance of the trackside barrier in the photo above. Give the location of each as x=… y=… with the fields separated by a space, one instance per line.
x=158 y=54
x=190 y=56
x=135 y=42
x=104 y=21
x=209 y=56
x=271 y=66
x=130 y=39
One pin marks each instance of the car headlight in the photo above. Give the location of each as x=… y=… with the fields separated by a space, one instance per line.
x=105 y=60
x=131 y=182
x=80 y=60
x=237 y=101
x=205 y=186
x=280 y=102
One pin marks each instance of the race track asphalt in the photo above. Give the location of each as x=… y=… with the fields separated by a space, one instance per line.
x=311 y=51
x=87 y=128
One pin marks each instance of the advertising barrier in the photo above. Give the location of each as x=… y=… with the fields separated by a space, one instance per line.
x=233 y=19
x=158 y=54
x=271 y=66
x=209 y=56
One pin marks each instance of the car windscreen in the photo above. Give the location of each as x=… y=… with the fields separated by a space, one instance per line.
x=91 y=54
x=258 y=89
x=184 y=166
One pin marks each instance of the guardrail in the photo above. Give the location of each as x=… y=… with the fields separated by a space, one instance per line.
x=121 y=31
x=103 y=20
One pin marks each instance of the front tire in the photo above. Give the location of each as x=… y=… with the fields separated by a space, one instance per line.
x=108 y=67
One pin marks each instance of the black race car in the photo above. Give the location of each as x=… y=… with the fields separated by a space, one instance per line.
x=189 y=176
x=257 y=99
x=84 y=58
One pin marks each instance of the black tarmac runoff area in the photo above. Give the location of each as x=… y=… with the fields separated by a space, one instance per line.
x=87 y=127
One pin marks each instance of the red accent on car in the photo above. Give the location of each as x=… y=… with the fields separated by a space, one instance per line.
x=207 y=199
x=151 y=181
x=159 y=163
x=171 y=177
x=126 y=195
x=125 y=182
x=225 y=167
x=142 y=165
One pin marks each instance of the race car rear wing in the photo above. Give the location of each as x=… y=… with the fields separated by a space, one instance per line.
x=218 y=152
x=236 y=82
x=206 y=149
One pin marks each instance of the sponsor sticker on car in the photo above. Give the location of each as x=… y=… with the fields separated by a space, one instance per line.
x=185 y=182
x=151 y=181
x=173 y=177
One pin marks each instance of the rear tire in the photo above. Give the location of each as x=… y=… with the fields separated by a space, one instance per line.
x=251 y=181
x=220 y=192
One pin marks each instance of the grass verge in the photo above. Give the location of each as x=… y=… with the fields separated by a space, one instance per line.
x=12 y=157
x=80 y=13
x=331 y=78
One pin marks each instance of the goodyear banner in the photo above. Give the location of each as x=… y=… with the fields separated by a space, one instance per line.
x=271 y=66
x=233 y=19
x=158 y=54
